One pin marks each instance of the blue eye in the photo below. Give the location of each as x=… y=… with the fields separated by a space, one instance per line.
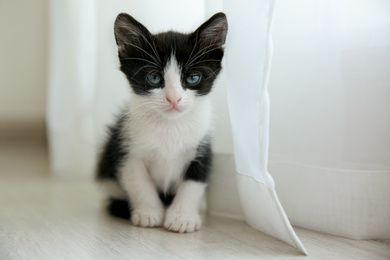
x=154 y=79
x=193 y=79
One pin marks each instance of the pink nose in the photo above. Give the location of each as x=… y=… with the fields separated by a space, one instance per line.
x=173 y=101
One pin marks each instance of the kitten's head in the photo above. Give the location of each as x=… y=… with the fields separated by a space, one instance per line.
x=169 y=71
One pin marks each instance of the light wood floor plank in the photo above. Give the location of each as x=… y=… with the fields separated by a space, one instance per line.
x=46 y=218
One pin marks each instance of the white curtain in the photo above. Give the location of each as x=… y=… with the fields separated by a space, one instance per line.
x=330 y=115
x=248 y=60
x=71 y=87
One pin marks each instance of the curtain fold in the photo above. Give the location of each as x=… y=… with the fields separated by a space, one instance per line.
x=248 y=61
x=71 y=87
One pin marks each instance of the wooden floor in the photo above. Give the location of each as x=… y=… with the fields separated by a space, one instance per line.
x=46 y=218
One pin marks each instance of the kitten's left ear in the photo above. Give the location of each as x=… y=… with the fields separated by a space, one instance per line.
x=213 y=31
x=129 y=31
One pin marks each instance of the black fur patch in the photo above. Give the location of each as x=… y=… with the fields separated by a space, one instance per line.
x=113 y=153
x=200 y=167
x=166 y=198
x=119 y=208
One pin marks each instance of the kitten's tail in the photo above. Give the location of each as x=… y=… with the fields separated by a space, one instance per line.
x=115 y=198
x=119 y=208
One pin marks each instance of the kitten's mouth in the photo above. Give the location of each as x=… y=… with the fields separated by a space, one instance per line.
x=173 y=109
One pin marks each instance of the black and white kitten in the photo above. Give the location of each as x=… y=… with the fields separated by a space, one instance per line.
x=158 y=156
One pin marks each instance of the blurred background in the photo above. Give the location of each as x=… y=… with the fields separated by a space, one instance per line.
x=23 y=68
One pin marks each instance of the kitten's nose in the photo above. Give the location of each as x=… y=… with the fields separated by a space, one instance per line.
x=173 y=101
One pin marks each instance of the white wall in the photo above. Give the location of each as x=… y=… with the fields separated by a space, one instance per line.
x=23 y=52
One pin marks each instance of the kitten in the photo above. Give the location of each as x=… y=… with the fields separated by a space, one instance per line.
x=157 y=159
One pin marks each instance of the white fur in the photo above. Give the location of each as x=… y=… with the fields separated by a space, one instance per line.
x=183 y=215
x=163 y=141
x=173 y=89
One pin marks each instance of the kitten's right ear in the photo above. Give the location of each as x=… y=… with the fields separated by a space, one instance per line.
x=213 y=31
x=129 y=32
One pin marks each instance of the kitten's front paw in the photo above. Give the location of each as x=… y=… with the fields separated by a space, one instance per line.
x=182 y=223
x=147 y=217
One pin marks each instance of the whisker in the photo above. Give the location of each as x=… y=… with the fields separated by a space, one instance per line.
x=208 y=60
x=154 y=59
x=145 y=110
x=192 y=51
x=155 y=64
x=204 y=67
x=191 y=59
x=153 y=48
x=201 y=61
x=201 y=53
x=140 y=70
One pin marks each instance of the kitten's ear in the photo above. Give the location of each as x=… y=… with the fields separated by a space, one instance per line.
x=129 y=31
x=213 y=31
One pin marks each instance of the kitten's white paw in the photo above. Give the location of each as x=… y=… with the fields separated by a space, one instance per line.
x=147 y=217
x=182 y=223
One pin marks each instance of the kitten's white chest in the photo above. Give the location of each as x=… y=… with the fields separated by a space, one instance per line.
x=168 y=147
